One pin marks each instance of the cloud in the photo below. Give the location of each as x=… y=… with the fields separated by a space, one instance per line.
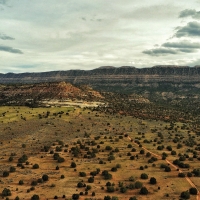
x=182 y=45
x=6 y=37
x=190 y=12
x=10 y=49
x=174 y=48
x=3 y=2
x=191 y=29
x=188 y=50
x=160 y=52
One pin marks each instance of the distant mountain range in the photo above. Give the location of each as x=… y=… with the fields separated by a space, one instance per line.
x=109 y=76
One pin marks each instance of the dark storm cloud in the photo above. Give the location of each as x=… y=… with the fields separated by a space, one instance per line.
x=191 y=29
x=182 y=45
x=6 y=37
x=160 y=51
x=188 y=50
x=189 y=12
x=10 y=49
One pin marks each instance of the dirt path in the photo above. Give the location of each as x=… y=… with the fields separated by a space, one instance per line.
x=174 y=166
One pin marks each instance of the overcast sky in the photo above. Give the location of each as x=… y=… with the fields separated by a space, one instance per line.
x=47 y=35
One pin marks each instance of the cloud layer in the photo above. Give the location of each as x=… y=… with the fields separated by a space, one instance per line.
x=5 y=37
x=10 y=49
x=83 y=34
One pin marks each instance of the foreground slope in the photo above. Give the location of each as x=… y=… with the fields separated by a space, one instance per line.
x=89 y=153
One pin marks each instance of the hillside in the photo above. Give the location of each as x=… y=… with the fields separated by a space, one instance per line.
x=32 y=94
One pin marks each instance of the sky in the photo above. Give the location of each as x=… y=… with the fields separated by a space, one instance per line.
x=49 y=35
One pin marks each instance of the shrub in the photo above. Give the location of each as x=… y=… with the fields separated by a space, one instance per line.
x=196 y=172
x=118 y=166
x=73 y=164
x=133 y=150
x=193 y=191
x=108 y=183
x=5 y=174
x=61 y=159
x=108 y=148
x=141 y=168
x=35 y=166
x=45 y=177
x=153 y=181
x=185 y=195
x=32 y=188
x=108 y=176
x=144 y=191
x=142 y=151
x=88 y=187
x=111 y=157
x=82 y=174
x=131 y=186
x=34 y=183
x=12 y=169
x=144 y=176
x=110 y=189
x=107 y=198
x=148 y=154
x=113 y=169
x=91 y=180
x=57 y=167
x=40 y=180
x=62 y=176
x=10 y=158
x=173 y=152
x=138 y=184
x=80 y=184
x=131 y=178
x=6 y=192
x=75 y=196
x=55 y=156
x=123 y=189
x=132 y=157
x=133 y=198
x=189 y=174
x=181 y=175
x=21 y=182
x=167 y=169
x=23 y=159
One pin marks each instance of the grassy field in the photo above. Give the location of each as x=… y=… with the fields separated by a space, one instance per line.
x=92 y=141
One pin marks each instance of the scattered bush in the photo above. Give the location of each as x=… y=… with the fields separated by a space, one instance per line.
x=12 y=169
x=45 y=177
x=153 y=181
x=6 y=192
x=5 y=174
x=193 y=191
x=185 y=195
x=144 y=191
x=73 y=165
x=144 y=176
x=35 y=166
x=21 y=182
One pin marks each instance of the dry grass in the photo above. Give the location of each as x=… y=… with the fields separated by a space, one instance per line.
x=35 y=133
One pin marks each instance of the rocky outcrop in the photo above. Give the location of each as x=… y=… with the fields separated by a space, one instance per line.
x=33 y=93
